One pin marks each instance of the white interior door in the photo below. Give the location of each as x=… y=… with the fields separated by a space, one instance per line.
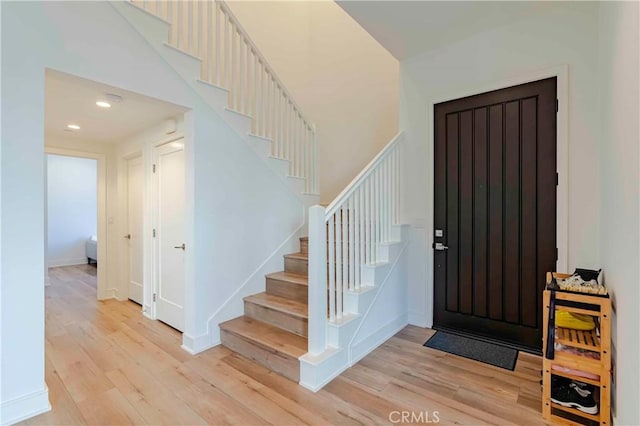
x=135 y=194
x=170 y=234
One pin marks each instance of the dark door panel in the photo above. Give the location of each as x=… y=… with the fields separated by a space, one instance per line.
x=495 y=202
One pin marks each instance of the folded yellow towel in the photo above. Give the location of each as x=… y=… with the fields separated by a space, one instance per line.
x=566 y=319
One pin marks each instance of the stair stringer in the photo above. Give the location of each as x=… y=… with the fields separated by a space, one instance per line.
x=350 y=340
x=156 y=31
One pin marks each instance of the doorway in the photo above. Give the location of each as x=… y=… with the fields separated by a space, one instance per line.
x=495 y=211
x=90 y=248
x=121 y=130
x=72 y=216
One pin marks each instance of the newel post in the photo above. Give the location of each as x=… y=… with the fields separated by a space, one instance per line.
x=317 y=280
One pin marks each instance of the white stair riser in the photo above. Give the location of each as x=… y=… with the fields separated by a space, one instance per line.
x=340 y=335
x=238 y=121
x=279 y=166
x=261 y=146
x=297 y=184
x=358 y=301
x=156 y=30
x=186 y=65
x=213 y=95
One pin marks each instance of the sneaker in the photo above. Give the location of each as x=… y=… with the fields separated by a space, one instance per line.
x=574 y=395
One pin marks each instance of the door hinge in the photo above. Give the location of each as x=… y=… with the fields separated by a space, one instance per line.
x=557 y=105
x=154 y=233
x=155 y=297
x=154 y=168
x=556 y=253
x=557 y=179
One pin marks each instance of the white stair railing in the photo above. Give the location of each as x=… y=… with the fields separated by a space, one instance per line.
x=208 y=30
x=346 y=237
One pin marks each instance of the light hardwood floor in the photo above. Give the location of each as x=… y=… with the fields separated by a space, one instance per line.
x=107 y=364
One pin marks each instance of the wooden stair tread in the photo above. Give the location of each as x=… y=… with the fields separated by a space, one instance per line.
x=304 y=256
x=281 y=304
x=267 y=336
x=289 y=277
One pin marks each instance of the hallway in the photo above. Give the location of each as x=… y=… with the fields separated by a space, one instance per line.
x=107 y=364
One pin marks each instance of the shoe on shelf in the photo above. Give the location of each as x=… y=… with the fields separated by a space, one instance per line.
x=573 y=394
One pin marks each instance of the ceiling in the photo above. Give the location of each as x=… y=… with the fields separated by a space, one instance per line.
x=72 y=100
x=407 y=28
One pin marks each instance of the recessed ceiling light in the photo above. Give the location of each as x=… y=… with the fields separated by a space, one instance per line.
x=113 y=98
x=73 y=126
x=103 y=104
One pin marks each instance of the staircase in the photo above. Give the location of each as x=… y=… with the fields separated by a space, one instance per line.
x=207 y=46
x=273 y=331
x=344 y=292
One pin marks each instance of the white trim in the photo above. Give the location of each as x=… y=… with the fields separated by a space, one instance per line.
x=562 y=147
x=154 y=216
x=419 y=319
x=115 y=293
x=102 y=211
x=55 y=263
x=150 y=213
x=225 y=311
x=123 y=212
x=359 y=350
x=25 y=407
x=317 y=371
x=196 y=344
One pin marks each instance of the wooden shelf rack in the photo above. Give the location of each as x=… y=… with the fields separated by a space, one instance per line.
x=597 y=340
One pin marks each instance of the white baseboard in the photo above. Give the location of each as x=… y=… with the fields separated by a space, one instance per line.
x=196 y=344
x=316 y=372
x=362 y=348
x=56 y=263
x=113 y=293
x=25 y=407
x=233 y=307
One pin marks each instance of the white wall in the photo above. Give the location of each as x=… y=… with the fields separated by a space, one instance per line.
x=620 y=252
x=230 y=193
x=599 y=42
x=72 y=208
x=561 y=36
x=339 y=75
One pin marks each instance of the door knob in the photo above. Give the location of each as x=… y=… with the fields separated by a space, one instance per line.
x=180 y=247
x=441 y=247
x=128 y=236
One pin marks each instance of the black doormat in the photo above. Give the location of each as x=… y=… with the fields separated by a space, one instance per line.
x=479 y=350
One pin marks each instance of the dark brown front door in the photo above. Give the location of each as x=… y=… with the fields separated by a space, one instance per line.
x=495 y=211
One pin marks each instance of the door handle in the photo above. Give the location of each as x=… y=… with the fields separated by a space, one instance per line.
x=128 y=236
x=440 y=247
x=180 y=247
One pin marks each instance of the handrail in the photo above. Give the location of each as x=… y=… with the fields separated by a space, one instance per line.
x=223 y=4
x=353 y=185
x=350 y=235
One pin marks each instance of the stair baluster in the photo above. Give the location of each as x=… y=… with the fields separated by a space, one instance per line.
x=208 y=30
